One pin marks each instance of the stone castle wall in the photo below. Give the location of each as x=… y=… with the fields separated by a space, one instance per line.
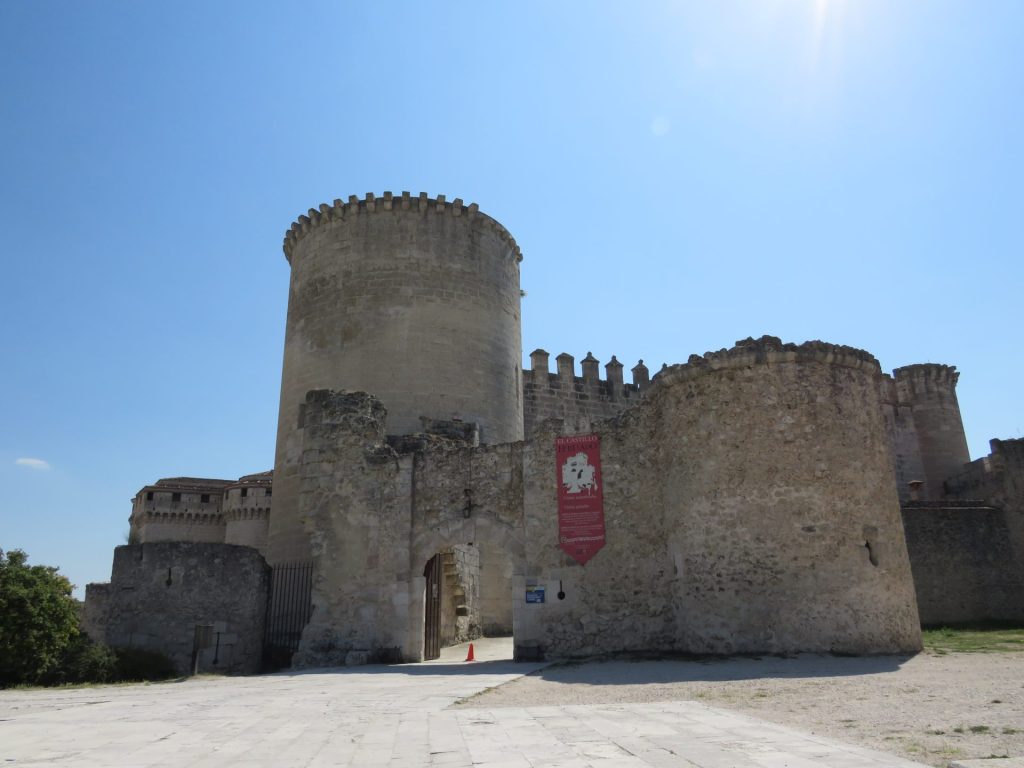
x=578 y=401
x=968 y=551
x=414 y=299
x=967 y=560
x=375 y=516
x=158 y=593
x=749 y=507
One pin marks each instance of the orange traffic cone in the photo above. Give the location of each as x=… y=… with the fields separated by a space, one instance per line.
x=469 y=656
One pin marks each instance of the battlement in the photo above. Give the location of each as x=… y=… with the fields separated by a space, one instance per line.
x=612 y=385
x=770 y=350
x=578 y=399
x=421 y=205
x=925 y=378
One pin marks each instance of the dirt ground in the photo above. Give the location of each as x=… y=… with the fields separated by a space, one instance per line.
x=931 y=708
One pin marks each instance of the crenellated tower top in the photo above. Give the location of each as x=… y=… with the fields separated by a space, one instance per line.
x=421 y=205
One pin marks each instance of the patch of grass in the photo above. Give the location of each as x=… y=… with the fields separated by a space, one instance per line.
x=1012 y=731
x=980 y=729
x=935 y=732
x=958 y=730
x=979 y=639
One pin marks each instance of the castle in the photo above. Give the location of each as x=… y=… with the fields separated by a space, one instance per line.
x=768 y=498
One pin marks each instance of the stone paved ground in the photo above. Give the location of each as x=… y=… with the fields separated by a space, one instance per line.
x=389 y=716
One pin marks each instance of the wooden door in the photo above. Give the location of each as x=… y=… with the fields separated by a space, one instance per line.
x=432 y=617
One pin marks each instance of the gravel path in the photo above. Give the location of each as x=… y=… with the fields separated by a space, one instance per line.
x=928 y=708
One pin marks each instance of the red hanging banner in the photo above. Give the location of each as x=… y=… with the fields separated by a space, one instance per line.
x=580 y=496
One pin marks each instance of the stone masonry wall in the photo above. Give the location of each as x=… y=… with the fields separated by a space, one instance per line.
x=375 y=516
x=749 y=507
x=968 y=551
x=460 y=593
x=902 y=433
x=577 y=400
x=967 y=562
x=159 y=592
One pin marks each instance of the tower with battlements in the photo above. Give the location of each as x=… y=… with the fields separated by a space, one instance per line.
x=414 y=299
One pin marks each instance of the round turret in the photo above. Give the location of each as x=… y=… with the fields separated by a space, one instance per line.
x=412 y=299
x=246 y=509
x=930 y=391
x=784 y=521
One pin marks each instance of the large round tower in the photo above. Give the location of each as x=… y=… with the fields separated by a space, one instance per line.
x=412 y=299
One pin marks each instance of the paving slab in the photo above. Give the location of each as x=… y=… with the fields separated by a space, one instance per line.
x=390 y=716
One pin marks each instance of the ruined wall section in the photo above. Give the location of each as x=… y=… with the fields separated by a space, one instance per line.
x=354 y=506
x=997 y=478
x=578 y=401
x=930 y=391
x=377 y=510
x=158 y=593
x=415 y=300
x=766 y=468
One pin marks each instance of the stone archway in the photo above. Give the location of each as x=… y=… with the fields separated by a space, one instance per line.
x=478 y=561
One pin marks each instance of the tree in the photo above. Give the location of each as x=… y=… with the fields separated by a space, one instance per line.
x=37 y=618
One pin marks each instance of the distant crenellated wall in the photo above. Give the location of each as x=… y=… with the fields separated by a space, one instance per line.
x=577 y=400
x=246 y=510
x=203 y=510
x=178 y=509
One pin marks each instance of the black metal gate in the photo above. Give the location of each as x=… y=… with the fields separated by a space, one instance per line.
x=432 y=617
x=289 y=607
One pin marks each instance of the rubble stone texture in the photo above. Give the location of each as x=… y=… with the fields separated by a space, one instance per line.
x=159 y=592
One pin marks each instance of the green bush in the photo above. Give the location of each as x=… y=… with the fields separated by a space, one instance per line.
x=84 y=661
x=135 y=664
x=38 y=619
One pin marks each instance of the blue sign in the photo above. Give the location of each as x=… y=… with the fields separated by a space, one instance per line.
x=535 y=594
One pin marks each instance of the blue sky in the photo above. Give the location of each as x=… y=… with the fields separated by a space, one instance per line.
x=680 y=175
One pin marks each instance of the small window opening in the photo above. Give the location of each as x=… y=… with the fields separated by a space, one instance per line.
x=149 y=495
x=204 y=498
x=245 y=492
x=268 y=491
x=175 y=497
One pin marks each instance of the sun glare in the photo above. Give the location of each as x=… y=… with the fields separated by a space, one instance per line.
x=827 y=20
